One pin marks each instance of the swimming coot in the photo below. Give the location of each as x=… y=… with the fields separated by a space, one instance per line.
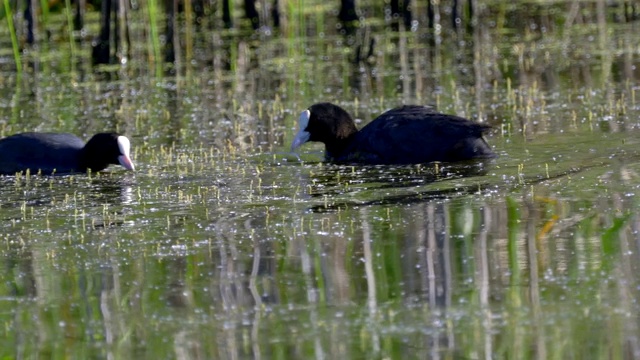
x=409 y=134
x=62 y=153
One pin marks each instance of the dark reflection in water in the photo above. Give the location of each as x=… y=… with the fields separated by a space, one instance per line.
x=20 y=262
x=330 y=178
x=331 y=181
x=340 y=181
x=340 y=265
x=113 y=190
x=44 y=191
x=175 y=294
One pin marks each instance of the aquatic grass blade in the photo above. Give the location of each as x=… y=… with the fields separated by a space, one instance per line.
x=14 y=38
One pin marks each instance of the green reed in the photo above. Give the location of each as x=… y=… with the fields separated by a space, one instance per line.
x=68 y=13
x=189 y=34
x=154 y=41
x=14 y=38
x=44 y=6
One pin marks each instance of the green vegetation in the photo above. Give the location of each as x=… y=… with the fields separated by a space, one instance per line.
x=12 y=33
x=223 y=245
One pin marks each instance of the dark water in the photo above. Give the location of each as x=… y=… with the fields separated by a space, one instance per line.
x=222 y=245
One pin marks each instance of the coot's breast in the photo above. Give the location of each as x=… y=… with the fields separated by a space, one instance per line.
x=44 y=152
x=415 y=134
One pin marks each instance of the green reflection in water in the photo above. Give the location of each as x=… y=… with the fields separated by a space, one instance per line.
x=223 y=246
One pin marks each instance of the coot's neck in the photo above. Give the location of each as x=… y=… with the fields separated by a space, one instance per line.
x=94 y=163
x=336 y=147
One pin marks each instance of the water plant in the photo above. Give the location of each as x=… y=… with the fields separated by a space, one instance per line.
x=14 y=39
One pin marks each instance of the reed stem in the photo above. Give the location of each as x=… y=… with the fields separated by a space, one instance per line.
x=14 y=38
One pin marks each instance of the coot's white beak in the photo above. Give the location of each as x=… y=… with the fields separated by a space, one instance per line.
x=302 y=136
x=126 y=162
x=124 y=145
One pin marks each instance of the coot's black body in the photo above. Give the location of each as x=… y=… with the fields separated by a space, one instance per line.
x=409 y=134
x=54 y=153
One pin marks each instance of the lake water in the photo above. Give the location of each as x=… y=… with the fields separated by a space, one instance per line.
x=223 y=245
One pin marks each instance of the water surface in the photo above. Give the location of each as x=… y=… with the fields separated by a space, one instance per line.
x=223 y=245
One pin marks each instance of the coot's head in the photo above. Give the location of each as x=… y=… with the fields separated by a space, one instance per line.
x=107 y=148
x=326 y=123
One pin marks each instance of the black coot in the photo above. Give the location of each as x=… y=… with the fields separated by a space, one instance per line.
x=409 y=134
x=50 y=153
